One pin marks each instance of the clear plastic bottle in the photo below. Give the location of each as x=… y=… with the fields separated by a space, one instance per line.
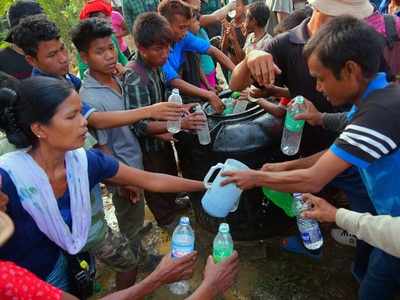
x=293 y=129
x=174 y=126
x=223 y=244
x=204 y=132
x=229 y=105
x=182 y=244
x=240 y=106
x=309 y=229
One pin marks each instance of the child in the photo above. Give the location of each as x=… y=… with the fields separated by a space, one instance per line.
x=234 y=33
x=144 y=85
x=208 y=73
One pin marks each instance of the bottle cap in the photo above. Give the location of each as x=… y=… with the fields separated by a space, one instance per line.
x=175 y=91
x=198 y=108
x=299 y=99
x=223 y=228
x=184 y=221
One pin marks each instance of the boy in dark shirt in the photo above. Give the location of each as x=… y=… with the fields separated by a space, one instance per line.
x=344 y=58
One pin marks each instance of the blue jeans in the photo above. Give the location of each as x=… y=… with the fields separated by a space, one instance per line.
x=377 y=272
x=382 y=280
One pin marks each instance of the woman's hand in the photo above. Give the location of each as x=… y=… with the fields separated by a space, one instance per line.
x=245 y=180
x=320 y=209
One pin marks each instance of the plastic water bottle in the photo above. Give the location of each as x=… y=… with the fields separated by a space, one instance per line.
x=182 y=244
x=309 y=229
x=174 y=126
x=204 y=132
x=293 y=129
x=241 y=106
x=229 y=105
x=223 y=244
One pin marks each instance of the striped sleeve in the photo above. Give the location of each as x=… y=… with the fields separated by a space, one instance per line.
x=371 y=136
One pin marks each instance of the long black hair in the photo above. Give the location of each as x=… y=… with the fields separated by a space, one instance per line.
x=32 y=100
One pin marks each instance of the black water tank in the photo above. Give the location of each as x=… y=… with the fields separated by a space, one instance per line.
x=252 y=137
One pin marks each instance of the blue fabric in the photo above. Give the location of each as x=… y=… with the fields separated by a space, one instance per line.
x=75 y=83
x=29 y=247
x=382 y=280
x=351 y=159
x=384 y=8
x=351 y=184
x=59 y=275
x=381 y=177
x=379 y=82
x=189 y=43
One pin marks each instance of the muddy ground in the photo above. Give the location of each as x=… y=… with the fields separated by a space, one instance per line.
x=266 y=271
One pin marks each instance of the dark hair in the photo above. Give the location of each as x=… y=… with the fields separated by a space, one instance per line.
x=151 y=29
x=293 y=20
x=35 y=100
x=171 y=8
x=259 y=12
x=32 y=30
x=89 y=30
x=346 y=39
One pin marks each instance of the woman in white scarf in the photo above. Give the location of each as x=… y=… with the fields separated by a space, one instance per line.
x=44 y=122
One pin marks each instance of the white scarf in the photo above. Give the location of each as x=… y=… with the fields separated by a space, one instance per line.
x=38 y=199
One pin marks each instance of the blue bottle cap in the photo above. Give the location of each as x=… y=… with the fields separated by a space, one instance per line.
x=184 y=221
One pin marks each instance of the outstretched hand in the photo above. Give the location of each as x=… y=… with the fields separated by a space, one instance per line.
x=311 y=114
x=172 y=270
x=320 y=209
x=166 y=111
x=262 y=67
x=221 y=276
x=245 y=180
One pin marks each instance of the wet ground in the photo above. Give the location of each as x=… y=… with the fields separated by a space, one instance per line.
x=266 y=271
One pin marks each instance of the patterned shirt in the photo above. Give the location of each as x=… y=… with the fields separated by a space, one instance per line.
x=144 y=86
x=133 y=8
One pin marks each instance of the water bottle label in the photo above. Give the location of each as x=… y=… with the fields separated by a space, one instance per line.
x=221 y=254
x=311 y=236
x=179 y=251
x=292 y=124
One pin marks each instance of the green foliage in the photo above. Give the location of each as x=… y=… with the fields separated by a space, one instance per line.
x=65 y=13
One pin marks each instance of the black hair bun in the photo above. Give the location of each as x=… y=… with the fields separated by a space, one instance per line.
x=8 y=118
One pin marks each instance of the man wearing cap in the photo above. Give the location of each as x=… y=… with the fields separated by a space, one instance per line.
x=12 y=58
x=283 y=64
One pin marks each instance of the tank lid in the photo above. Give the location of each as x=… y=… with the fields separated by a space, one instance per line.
x=223 y=228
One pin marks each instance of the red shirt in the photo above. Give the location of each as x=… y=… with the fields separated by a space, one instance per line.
x=17 y=283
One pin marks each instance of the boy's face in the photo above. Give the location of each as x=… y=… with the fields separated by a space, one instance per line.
x=51 y=58
x=195 y=25
x=155 y=55
x=337 y=91
x=249 y=22
x=180 y=26
x=240 y=9
x=101 y=56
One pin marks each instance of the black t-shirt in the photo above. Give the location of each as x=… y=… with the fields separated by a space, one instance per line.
x=14 y=64
x=287 y=50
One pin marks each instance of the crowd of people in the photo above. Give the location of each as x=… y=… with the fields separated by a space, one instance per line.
x=69 y=131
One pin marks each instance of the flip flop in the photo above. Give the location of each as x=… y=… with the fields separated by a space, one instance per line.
x=294 y=244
